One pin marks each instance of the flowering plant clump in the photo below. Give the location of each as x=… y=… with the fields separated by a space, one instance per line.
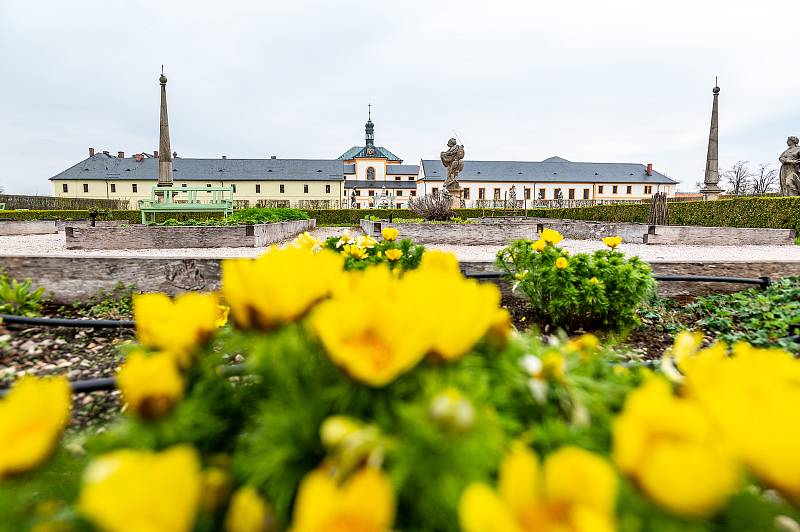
x=380 y=399
x=601 y=290
x=364 y=251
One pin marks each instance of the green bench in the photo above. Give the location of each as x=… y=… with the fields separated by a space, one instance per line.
x=185 y=200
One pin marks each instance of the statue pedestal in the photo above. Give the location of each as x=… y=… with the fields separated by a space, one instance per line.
x=711 y=192
x=456 y=195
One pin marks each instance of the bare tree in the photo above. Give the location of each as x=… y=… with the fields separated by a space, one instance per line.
x=432 y=207
x=738 y=178
x=765 y=179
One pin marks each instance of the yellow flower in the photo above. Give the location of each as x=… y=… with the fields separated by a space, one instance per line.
x=669 y=446
x=539 y=245
x=345 y=239
x=594 y=281
x=307 y=242
x=216 y=488
x=150 y=385
x=178 y=326
x=32 y=416
x=335 y=430
x=752 y=396
x=393 y=254
x=561 y=263
x=500 y=329
x=142 y=490
x=279 y=287
x=224 y=312
x=452 y=411
x=364 y=503
x=550 y=236
x=521 y=276
x=576 y=491
x=439 y=261
x=387 y=344
x=366 y=242
x=247 y=512
x=354 y=250
x=389 y=233
x=465 y=309
x=612 y=241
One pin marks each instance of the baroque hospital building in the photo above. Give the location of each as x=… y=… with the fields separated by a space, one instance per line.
x=362 y=177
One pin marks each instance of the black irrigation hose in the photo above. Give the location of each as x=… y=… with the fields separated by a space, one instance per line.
x=763 y=282
x=63 y=322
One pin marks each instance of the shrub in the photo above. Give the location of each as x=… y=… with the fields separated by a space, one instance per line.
x=582 y=291
x=436 y=207
x=19 y=298
x=244 y=217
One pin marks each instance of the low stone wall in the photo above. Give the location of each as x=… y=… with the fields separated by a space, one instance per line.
x=61 y=225
x=472 y=234
x=69 y=279
x=27 y=227
x=174 y=237
x=718 y=236
x=582 y=230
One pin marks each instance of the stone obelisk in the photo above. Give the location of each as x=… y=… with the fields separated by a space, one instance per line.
x=711 y=190
x=164 y=150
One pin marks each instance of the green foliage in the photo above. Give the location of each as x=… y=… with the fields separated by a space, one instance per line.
x=412 y=254
x=594 y=291
x=244 y=217
x=19 y=298
x=114 y=304
x=372 y=218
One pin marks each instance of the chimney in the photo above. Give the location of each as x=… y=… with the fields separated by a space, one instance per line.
x=224 y=156
x=91 y=152
x=649 y=168
x=273 y=156
x=121 y=154
x=155 y=153
x=138 y=157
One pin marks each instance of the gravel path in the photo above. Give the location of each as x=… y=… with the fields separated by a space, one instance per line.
x=54 y=246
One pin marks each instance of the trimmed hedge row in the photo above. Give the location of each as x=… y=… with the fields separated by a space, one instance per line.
x=133 y=217
x=769 y=212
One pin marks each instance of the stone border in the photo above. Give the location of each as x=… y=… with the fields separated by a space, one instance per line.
x=172 y=237
x=69 y=279
x=27 y=227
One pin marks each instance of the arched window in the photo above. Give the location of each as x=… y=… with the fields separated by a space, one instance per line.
x=371 y=174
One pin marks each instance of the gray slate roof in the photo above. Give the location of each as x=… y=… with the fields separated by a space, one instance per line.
x=389 y=185
x=402 y=169
x=361 y=152
x=548 y=171
x=102 y=166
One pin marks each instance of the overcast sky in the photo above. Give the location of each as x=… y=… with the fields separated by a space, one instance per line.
x=611 y=81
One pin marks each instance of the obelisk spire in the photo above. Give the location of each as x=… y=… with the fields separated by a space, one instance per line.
x=710 y=188
x=164 y=150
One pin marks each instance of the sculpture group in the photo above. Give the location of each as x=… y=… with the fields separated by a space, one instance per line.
x=790 y=168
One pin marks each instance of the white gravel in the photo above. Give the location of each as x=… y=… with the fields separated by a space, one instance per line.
x=54 y=246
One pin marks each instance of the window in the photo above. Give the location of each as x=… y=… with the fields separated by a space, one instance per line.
x=413 y=192
x=614 y=189
x=183 y=185
x=435 y=191
x=397 y=178
x=466 y=193
x=541 y=193
x=208 y=185
x=571 y=193
x=600 y=189
x=629 y=190
x=233 y=188
x=648 y=189
x=481 y=193
x=411 y=178
x=371 y=192
x=135 y=188
x=497 y=193
x=527 y=193
x=305 y=189
x=557 y=193
x=282 y=188
x=64 y=187
x=358 y=192
x=86 y=187
x=399 y=193
x=370 y=174
x=113 y=187
x=258 y=189
x=585 y=193
x=327 y=189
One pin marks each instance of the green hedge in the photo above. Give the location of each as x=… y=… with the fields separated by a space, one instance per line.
x=134 y=217
x=775 y=213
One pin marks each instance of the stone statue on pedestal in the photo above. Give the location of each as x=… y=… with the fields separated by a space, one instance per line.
x=790 y=168
x=512 y=197
x=453 y=160
x=353 y=199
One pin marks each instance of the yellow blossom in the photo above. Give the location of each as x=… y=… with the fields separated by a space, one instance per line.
x=439 y=261
x=389 y=233
x=179 y=326
x=32 y=416
x=216 y=488
x=539 y=245
x=370 y=327
x=279 y=287
x=551 y=236
x=574 y=491
x=150 y=385
x=354 y=250
x=363 y=503
x=585 y=343
x=366 y=242
x=335 y=430
x=670 y=448
x=752 y=396
x=521 y=276
x=345 y=239
x=142 y=490
x=393 y=254
x=594 y=281
x=500 y=329
x=247 y=512
x=307 y=242
x=612 y=241
x=452 y=411
x=224 y=312
x=561 y=263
